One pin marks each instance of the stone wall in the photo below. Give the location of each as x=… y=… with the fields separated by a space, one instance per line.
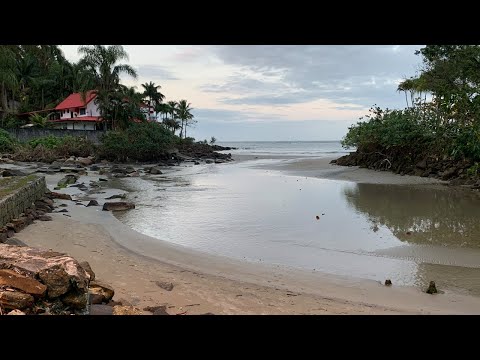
x=16 y=202
x=29 y=134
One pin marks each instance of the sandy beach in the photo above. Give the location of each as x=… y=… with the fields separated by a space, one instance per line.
x=133 y=263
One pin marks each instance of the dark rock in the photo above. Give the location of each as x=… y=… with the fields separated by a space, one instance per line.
x=120 y=196
x=162 y=310
x=12 y=172
x=449 y=173
x=103 y=289
x=388 y=282
x=67 y=180
x=63 y=205
x=118 y=206
x=47 y=201
x=196 y=163
x=75 y=299
x=422 y=164
x=86 y=266
x=113 y=303
x=118 y=170
x=129 y=169
x=18 y=224
x=101 y=310
x=56 y=279
x=155 y=170
x=61 y=211
x=432 y=289
x=219 y=161
x=14 y=241
x=24 y=283
x=15 y=300
x=94 y=168
x=209 y=161
x=165 y=285
x=84 y=161
x=95 y=299
x=56 y=195
x=45 y=218
x=3 y=237
x=93 y=203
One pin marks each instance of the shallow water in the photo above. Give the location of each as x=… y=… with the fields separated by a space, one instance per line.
x=409 y=234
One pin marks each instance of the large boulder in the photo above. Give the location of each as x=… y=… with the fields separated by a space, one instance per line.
x=56 y=195
x=84 y=161
x=118 y=206
x=15 y=300
x=101 y=288
x=67 y=180
x=24 y=283
x=155 y=170
x=59 y=273
x=12 y=172
x=86 y=266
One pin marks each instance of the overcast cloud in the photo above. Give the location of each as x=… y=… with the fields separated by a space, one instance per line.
x=275 y=92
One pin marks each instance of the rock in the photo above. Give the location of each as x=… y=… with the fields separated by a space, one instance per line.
x=84 y=161
x=15 y=300
x=120 y=196
x=388 y=282
x=126 y=310
x=102 y=179
x=12 y=172
x=165 y=285
x=118 y=170
x=449 y=173
x=14 y=241
x=67 y=180
x=56 y=195
x=18 y=224
x=112 y=303
x=209 y=161
x=3 y=237
x=16 y=312
x=161 y=311
x=45 y=218
x=47 y=201
x=76 y=300
x=95 y=299
x=134 y=174
x=63 y=205
x=129 y=169
x=422 y=164
x=94 y=168
x=24 y=283
x=219 y=161
x=155 y=170
x=432 y=289
x=61 y=211
x=196 y=163
x=101 y=310
x=59 y=272
x=93 y=203
x=101 y=288
x=86 y=266
x=118 y=206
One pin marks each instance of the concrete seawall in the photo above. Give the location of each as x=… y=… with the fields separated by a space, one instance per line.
x=19 y=193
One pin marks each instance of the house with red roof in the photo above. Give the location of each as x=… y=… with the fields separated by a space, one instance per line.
x=77 y=113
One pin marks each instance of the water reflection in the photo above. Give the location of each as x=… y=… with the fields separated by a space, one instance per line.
x=420 y=215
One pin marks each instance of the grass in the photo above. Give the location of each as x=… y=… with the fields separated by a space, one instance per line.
x=10 y=184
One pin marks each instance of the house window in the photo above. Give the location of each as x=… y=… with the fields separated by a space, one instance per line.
x=82 y=111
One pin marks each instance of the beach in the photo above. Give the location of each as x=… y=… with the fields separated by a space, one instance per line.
x=134 y=264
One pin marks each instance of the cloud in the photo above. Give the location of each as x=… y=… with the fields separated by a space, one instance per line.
x=287 y=74
x=155 y=72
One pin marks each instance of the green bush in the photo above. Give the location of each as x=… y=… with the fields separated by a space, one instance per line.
x=6 y=142
x=141 y=142
x=49 y=142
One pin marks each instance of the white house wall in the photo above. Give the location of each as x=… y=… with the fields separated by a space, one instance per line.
x=92 y=109
x=79 y=125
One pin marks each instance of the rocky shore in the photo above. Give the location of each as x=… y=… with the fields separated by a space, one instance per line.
x=39 y=281
x=400 y=161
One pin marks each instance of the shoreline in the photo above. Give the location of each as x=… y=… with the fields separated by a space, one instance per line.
x=132 y=262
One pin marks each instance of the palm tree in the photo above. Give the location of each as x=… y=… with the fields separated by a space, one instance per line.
x=155 y=97
x=172 y=109
x=103 y=64
x=185 y=116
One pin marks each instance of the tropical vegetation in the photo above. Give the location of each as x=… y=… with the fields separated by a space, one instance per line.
x=442 y=115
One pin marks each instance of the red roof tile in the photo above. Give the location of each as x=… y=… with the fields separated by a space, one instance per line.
x=75 y=100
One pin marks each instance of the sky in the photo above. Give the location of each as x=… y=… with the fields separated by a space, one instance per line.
x=274 y=92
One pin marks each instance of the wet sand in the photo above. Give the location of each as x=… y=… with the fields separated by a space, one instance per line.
x=132 y=263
